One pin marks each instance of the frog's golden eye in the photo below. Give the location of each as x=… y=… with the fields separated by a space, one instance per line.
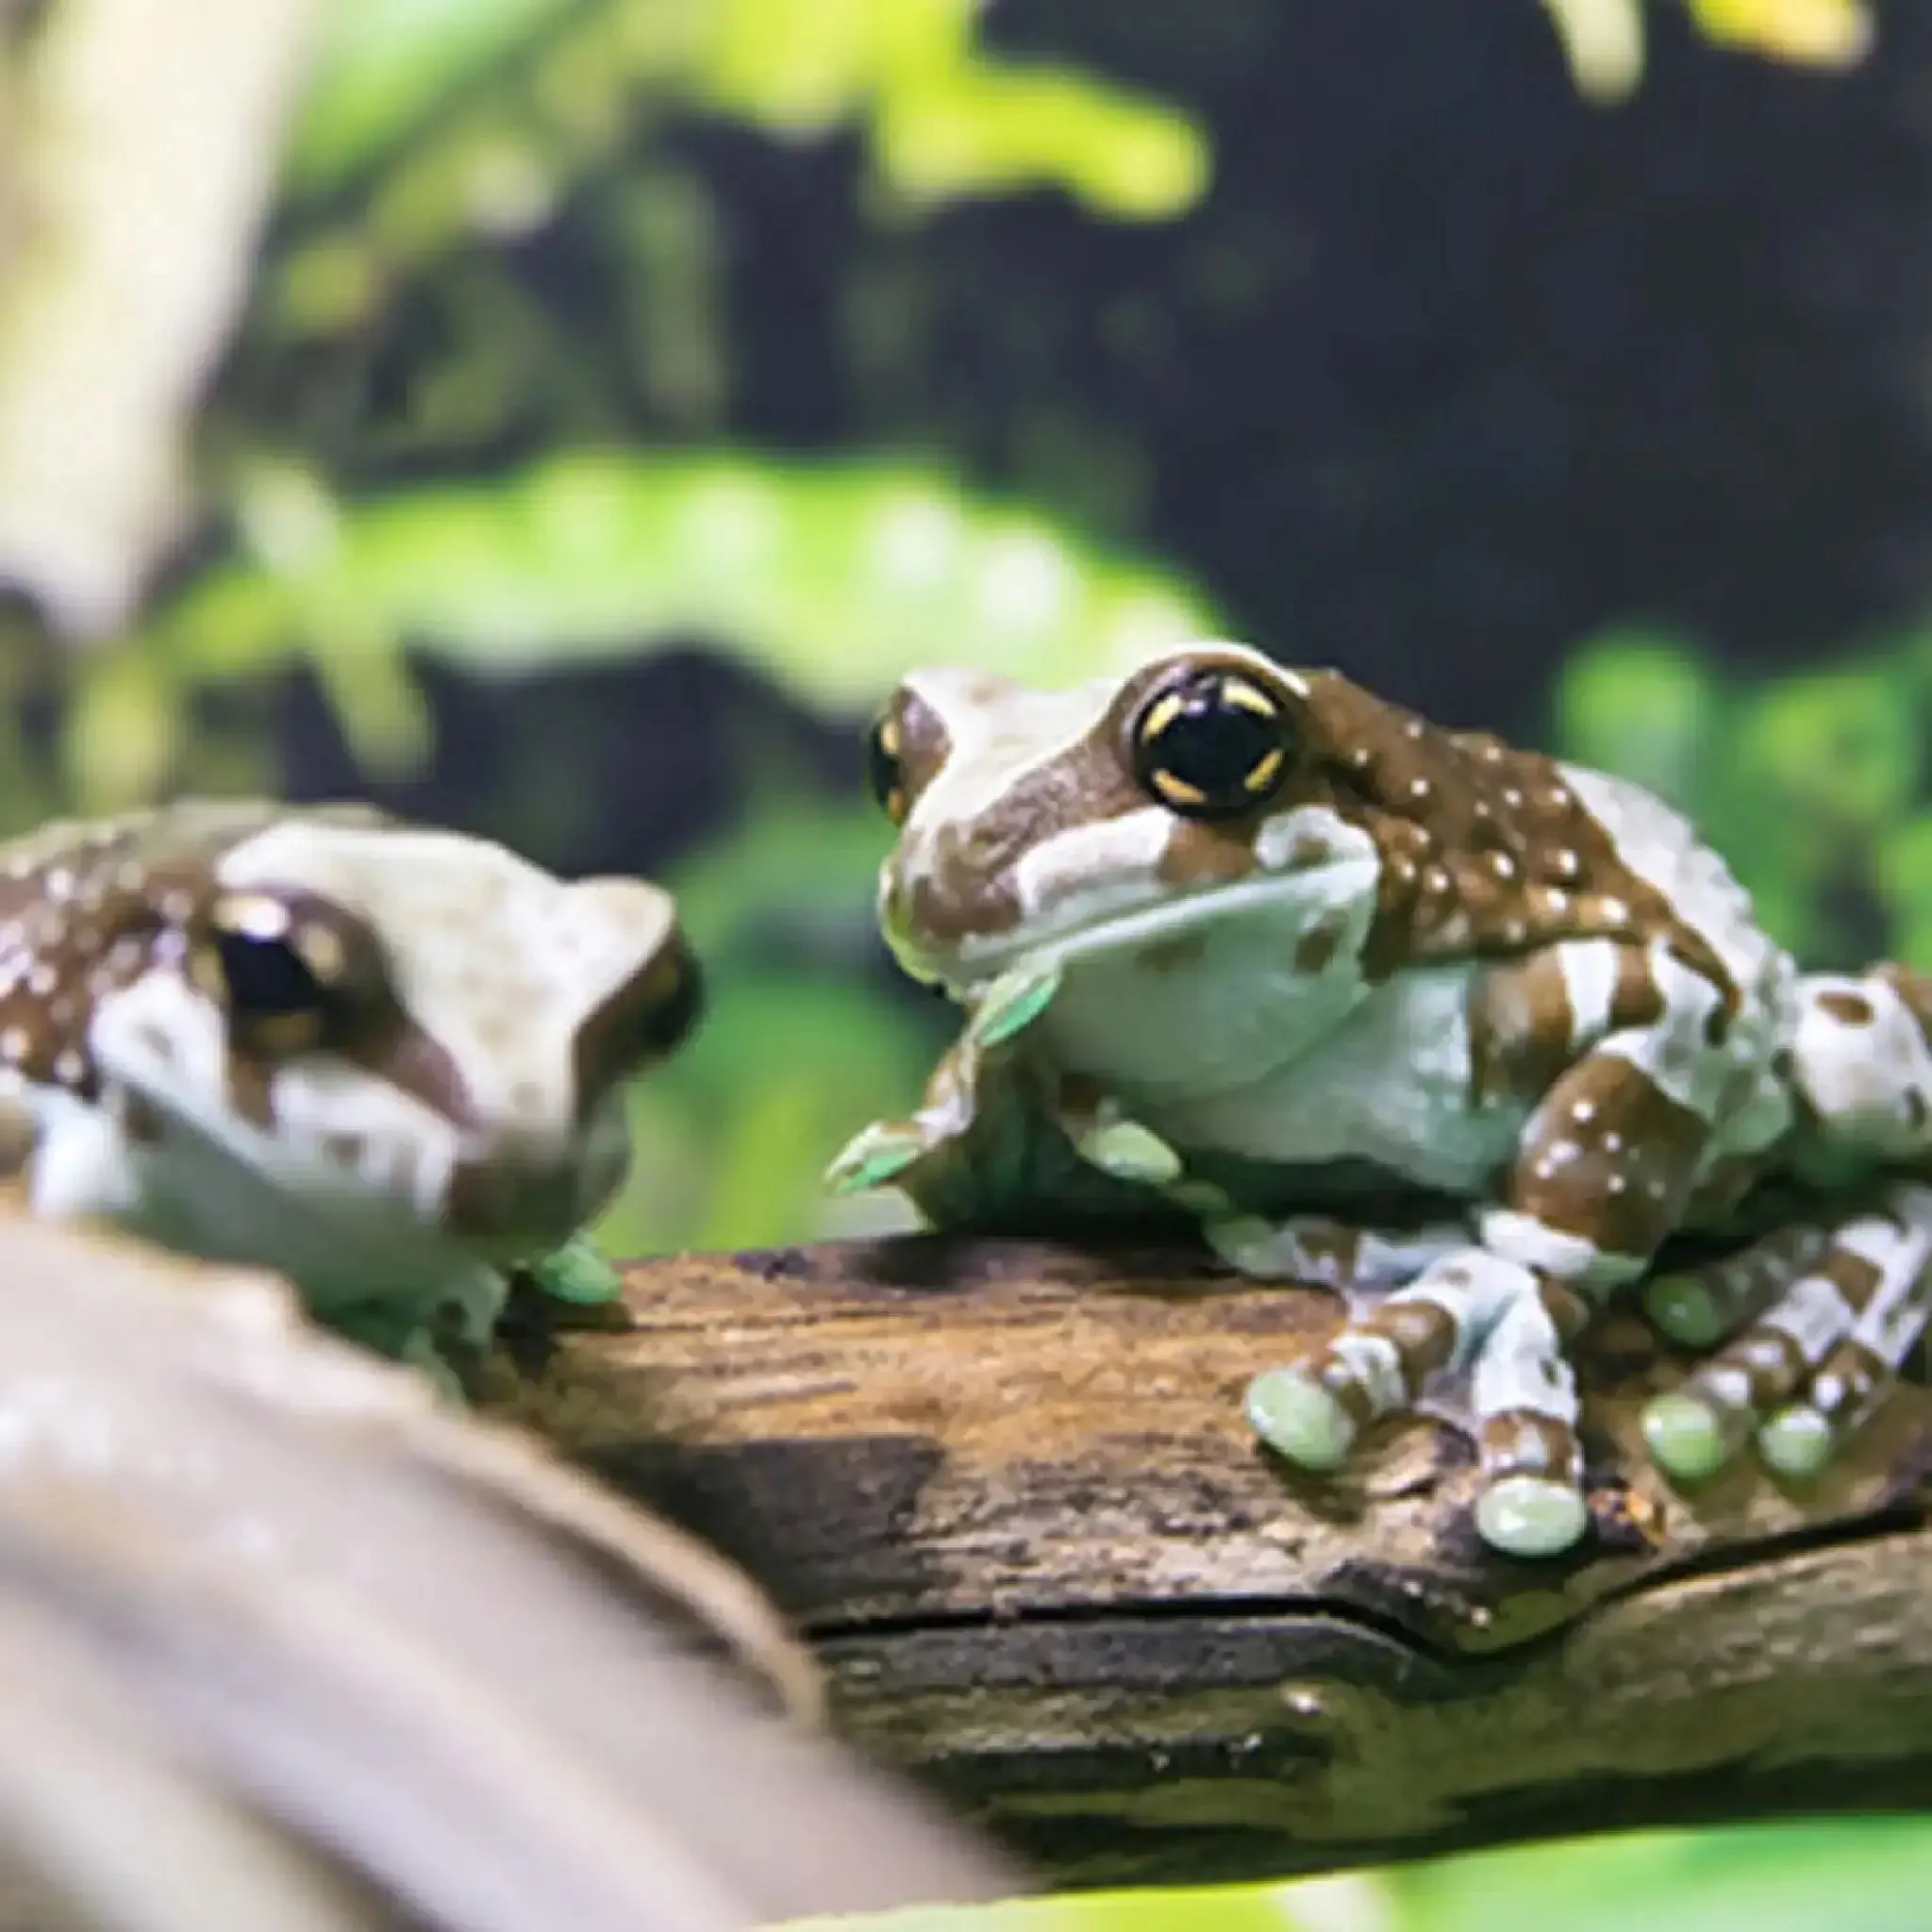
x=1212 y=744
x=885 y=766
x=284 y=980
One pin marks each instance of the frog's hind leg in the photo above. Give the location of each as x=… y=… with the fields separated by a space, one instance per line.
x=1601 y=1172
x=1808 y=1370
x=1363 y=1261
x=1861 y=1062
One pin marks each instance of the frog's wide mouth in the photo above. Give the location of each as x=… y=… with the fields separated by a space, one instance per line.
x=1083 y=932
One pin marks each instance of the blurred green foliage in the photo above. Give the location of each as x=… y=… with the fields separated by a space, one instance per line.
x=831 y=577
x=940 y=117
x=1792 y=1877
x=1817 y=787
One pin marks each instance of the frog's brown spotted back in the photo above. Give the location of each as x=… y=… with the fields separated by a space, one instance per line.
x=1485 y=848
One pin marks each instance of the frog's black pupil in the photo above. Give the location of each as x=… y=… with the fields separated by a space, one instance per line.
x=1212 y=747
x=881 y=769
x=266 y=977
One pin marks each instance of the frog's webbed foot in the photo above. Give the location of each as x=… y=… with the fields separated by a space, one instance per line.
x=949 y=1120
x=1813 y=1321
x=996 y=1130
x=1497 y=1328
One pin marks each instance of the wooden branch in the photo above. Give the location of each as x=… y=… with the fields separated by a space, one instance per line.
x=1007 y=1491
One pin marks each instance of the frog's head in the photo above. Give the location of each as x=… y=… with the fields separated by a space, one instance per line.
x=1123 y=813
x=419 y=1028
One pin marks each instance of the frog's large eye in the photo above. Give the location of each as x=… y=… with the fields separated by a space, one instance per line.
x=1210 y=744
x=664 y=1008
x=885 y=766
x=282 y=980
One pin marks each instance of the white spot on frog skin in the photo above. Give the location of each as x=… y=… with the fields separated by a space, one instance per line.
x=42 y=979
x=15 y=1044
x=1511 y=798
x=1419 y=789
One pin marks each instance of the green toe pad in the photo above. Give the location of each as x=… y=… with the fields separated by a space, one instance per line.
x=1531 y=1516
x=1012 y=1002
x=578 y=1273
x=1796 y=1442
x=1299 y=1419
x=873 y=1157
x=1687 y=1438
x=1131 y=1151
x=1684 y=1310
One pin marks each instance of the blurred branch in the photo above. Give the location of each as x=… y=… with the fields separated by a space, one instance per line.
x=1010 y=1492
x=286 y=1646
x=139 y=163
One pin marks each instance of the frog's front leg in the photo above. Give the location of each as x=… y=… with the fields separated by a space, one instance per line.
x=1601 y=1172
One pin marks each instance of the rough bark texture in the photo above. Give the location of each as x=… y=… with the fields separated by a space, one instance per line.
x=1007 y=1491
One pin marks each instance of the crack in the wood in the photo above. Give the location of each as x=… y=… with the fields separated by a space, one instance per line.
x=1148 y=1611
x=1363 y=1622
x=1894 y=1519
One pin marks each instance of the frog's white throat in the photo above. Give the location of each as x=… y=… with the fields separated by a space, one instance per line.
x=1094 y=928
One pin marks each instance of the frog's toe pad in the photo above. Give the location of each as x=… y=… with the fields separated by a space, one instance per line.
x=1131 y=1151
x=1299 y=1419
x=1687 y=1436
x=1684 y=1310
x=1531 y=1516
x=1797 y=1442
x=873 y=1156
x=577 y=1272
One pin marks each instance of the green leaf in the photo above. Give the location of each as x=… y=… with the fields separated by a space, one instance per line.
x=832 y=577
x=1787 y=1877
x=1844 y=744
x=1639 y=703
x=941 y=118
x=385 y=68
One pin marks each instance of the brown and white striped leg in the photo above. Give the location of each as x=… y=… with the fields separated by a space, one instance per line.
x=1333 y=1253
x=1816 y=1363
x=1700 y=1306
x=1523 y=1392
x=1380 y=1363
x=1602 y=1176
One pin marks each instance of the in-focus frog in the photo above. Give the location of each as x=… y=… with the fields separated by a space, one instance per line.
x=1247 y=939
x=383 y=1060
